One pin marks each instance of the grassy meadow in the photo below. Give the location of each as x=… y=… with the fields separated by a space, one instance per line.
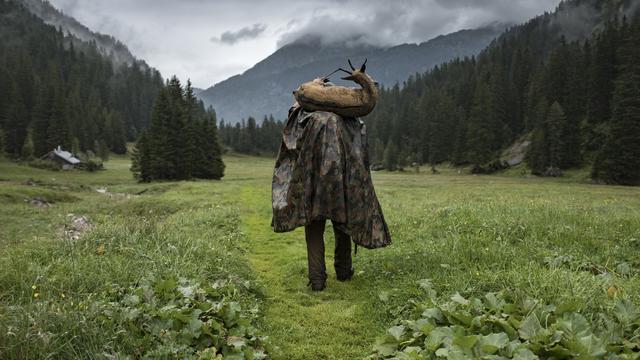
x=564 y=241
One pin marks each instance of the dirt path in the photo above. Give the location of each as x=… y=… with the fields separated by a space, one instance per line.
x=337 y=323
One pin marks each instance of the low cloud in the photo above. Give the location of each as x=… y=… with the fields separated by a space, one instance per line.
x=384 y=23
x=246 y=33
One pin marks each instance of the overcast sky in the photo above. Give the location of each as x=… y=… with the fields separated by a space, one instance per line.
x=211 y=40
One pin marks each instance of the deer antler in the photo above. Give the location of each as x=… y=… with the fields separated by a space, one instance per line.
x=350 y=64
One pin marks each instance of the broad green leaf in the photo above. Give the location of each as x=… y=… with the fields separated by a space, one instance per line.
x=231 y=313
x=411 y=353
x=494 y=302
x=504 y=324
x=530 y=327
x=490 y=344
x=459 y=299
x=386 y=349
x=457 y=315
x=425 y=325
x=592 y=345
x=466 y=343
x=396 y=332
x=437 y=337
x=525 y=354
x=574 y=325
x=626 y=312
x=456 y=353
x=433 y=313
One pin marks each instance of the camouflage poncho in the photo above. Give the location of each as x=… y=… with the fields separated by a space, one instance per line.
x=322 y=172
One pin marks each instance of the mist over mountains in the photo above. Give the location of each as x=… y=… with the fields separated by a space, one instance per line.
x=266 y=88
x=109 y=46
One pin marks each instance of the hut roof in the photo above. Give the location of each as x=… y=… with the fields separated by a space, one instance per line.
x=66 y=156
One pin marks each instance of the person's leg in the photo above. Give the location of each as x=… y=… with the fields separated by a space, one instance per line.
x=342 y=256
x=315 y=254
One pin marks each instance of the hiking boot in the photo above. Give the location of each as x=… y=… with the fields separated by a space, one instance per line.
x=318 y=283
x=317 y=286
x=345 y=277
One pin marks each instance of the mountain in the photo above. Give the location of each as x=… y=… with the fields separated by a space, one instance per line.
x=108 y=46
x=266 y=88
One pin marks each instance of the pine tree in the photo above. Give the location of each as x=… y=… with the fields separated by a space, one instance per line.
x=619 y=160
x=482 y=130
x=15 y=123
x=390 y=160
x=538 y=153
x=553 y=135
x=27 y=148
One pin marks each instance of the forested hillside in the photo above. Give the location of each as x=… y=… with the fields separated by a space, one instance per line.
x=57 y=90
x=568 y=81
x=107 y=45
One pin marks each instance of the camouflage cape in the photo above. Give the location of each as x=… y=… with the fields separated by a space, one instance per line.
x=322 y=172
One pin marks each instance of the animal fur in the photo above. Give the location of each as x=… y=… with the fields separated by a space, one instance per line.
x=319 y=95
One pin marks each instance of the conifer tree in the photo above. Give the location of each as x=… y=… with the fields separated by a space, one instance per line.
x=553 y=135
x=15 y=123
x=481 y=131
x=619 y=160
x=390 y=160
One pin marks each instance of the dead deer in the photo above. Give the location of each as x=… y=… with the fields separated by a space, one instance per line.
x=320 y=95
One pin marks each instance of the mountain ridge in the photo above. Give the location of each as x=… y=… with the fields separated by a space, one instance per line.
x=269 y=83
x=108 y=45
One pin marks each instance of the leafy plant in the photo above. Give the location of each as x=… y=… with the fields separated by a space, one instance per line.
x=171 y=318
x=491 y=327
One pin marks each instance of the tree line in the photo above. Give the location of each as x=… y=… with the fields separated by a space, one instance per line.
x=576 y=102
x=248 y=137
x=181 y=141
x=58 y=90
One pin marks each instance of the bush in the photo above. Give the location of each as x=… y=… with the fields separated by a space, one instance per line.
x=490 y=168
x=93 y=164
x=44 y=164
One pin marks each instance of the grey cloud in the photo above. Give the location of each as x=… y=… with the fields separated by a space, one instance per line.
x=384 y=23
x=246 y=33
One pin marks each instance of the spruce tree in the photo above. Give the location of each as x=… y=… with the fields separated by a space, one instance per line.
x=482 y=130
x=619 y=160
x=15 y=123
x=390 y=160
x=538 y=153
x=553 y=135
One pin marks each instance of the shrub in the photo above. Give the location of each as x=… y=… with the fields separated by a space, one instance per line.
x=490 y=168
x=93 y=164
x=44 y=164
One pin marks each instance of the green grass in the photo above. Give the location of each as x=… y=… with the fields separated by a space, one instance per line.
x=468 y=234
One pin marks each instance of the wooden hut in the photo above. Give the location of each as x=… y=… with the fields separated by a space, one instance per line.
x=65 y=159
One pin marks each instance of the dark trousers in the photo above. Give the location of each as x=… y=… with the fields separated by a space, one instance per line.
x=315 y=251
